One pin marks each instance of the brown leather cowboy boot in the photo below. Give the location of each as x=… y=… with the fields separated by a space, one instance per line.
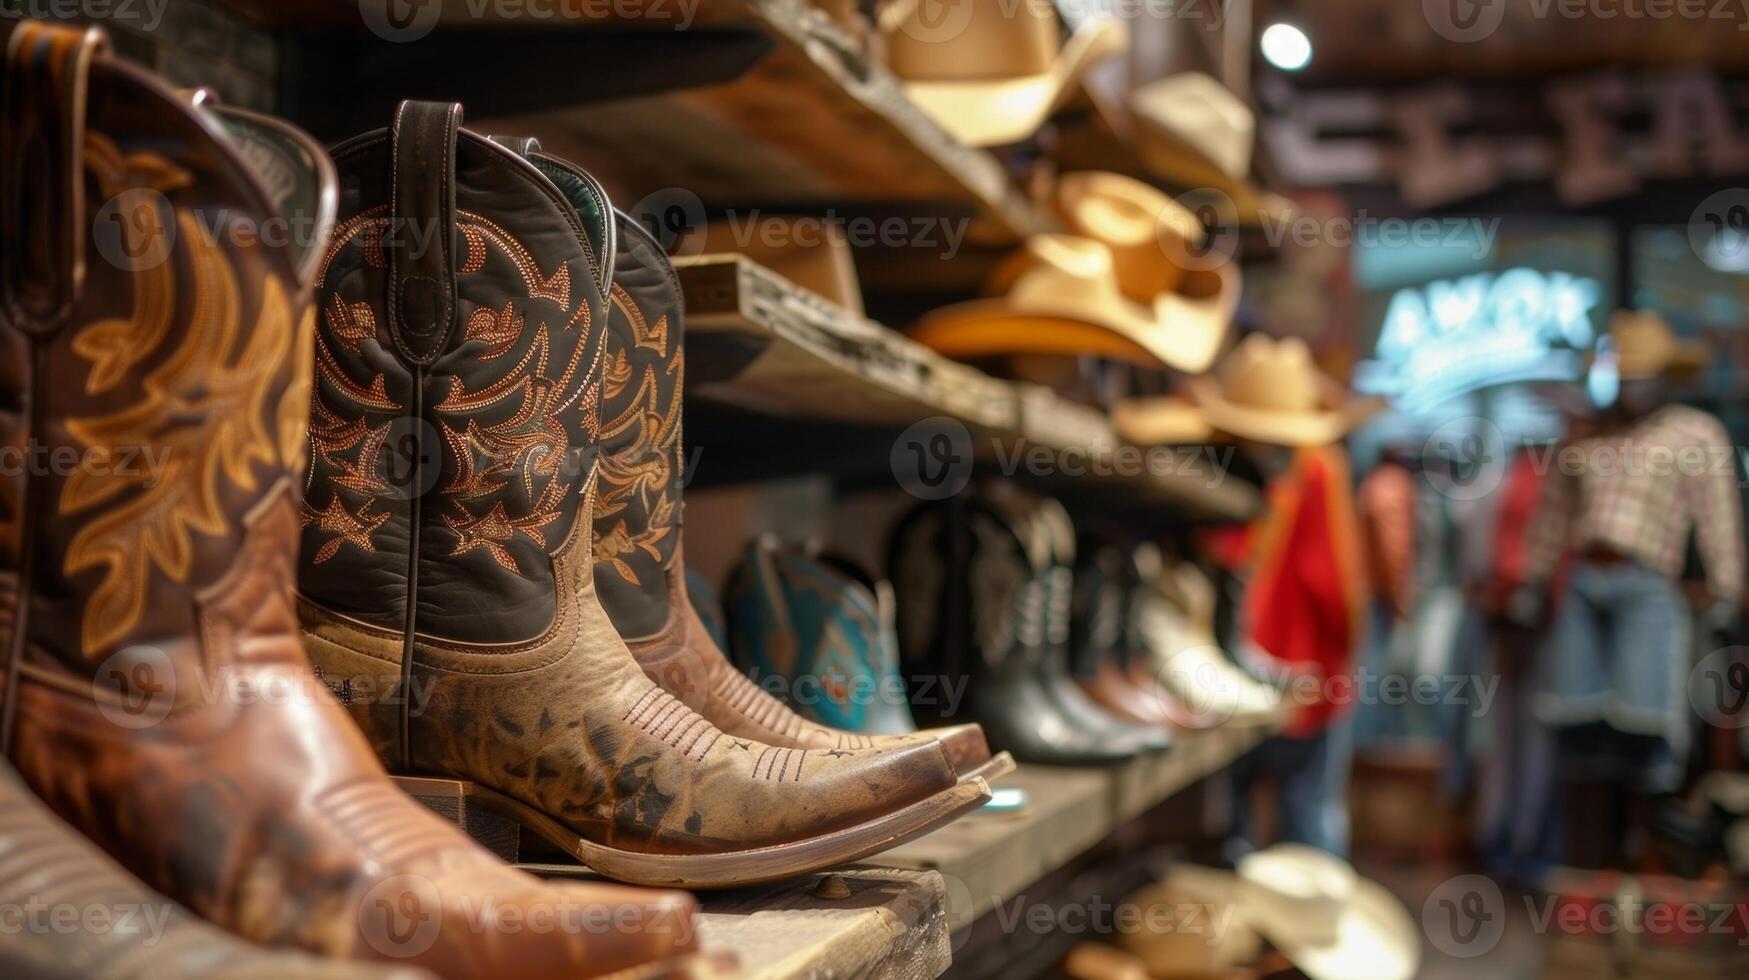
x=155 y=370
x=464 y=329
x=125 y=931
x=640 y=571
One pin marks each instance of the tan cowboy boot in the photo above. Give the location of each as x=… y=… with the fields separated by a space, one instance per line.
x=125 y=931
x=453 y=598
x=156 y=351
x=639 y=568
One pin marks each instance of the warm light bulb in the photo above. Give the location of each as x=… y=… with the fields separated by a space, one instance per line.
x=1286 y=47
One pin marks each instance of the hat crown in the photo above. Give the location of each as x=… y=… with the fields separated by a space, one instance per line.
x=1054 y=267
x=1311 y=886
x=1198 y=109
x=1264 y=374
x=974 y=40
x=1149 y=234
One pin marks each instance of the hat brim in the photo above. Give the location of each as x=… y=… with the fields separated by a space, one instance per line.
x=1686 y=360
x=1193 y=328
x=994 y=113
x=1375 y=939
x=1184 y=338
x=1283 y=428
x=1160 y=421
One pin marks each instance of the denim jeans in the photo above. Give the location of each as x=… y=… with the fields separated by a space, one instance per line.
x=1618 y=658
x=1311 y=777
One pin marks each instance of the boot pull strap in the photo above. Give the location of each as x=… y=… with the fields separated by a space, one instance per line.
x=42 y=170
x=421 y=239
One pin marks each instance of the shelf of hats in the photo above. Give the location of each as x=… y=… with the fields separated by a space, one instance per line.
x=880 y=488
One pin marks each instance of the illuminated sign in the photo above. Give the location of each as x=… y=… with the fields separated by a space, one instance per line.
x=1459 y=335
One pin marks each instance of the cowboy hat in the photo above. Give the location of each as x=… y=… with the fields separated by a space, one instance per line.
x=990 y=71
x=1193 y=132
x=1153 y=241
x=1270 y=391
x=1646 y=347
x=813 y=253
x=1192 y=929
x=1330 y=922
x=1163 y=421
x=1060 y=295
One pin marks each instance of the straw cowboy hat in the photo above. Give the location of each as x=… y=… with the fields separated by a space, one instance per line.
x=1193 y=132
x=1153 y=241
x=812 y=253
x=1270 y=391
x=1647 y=347
x=1060 y=295
x=992 y=71
x=1330 y=922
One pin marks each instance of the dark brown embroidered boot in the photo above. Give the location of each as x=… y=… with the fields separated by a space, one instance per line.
x=127 y=932
x=155 y=352
x=463 y=335
x=639 y=568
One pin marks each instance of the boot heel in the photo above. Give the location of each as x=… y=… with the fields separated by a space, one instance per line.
x=453 y=800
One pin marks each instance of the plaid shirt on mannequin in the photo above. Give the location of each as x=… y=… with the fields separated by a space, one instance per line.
x=1639 y=492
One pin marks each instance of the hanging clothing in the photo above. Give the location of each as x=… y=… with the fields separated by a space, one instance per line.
x=1306 y=595
x=1387 y=508
x=1640 y=492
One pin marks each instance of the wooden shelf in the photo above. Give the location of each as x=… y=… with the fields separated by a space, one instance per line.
x=987 y=858
x=763 y=345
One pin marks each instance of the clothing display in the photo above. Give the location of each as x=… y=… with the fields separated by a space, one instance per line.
x=828 y=639
x=855 y=489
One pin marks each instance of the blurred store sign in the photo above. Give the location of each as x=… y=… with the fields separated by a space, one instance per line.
x=1597 y=136
x=1455 y=336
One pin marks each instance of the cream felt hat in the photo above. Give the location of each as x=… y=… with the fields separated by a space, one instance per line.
x=1270 y=391
x=992 y=71
x=1163 y=421
x=1193 y=132
x=1646 y=347
x=1060 y=295
x=1153 y=241
x=1330 y=922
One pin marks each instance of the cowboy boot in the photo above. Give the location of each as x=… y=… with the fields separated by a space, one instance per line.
x=156 y=696
x=49 y=870
x=639 y=561
x=1099 y=667
x=823 y=632
x=464 y=336
x=1054 y=565
x=971 y=614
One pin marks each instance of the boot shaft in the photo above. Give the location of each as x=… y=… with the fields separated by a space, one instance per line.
x=155 y=335
x=458 y=366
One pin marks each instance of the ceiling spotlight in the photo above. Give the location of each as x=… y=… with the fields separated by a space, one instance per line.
x=1286 y=47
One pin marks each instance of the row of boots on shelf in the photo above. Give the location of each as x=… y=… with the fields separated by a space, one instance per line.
x=408 y=412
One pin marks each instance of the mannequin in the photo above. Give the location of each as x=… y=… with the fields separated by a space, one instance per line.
x=1622 y=501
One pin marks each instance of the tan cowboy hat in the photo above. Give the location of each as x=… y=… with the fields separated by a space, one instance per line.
x=1153 y=241
x=1330 y=922
x=1061 y=296
x=1193 y=132
x=1647 y=347
x=1192 y=929
x=813 y=253
x=1164 y=421
x=992 y=71
x=1270 y=391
